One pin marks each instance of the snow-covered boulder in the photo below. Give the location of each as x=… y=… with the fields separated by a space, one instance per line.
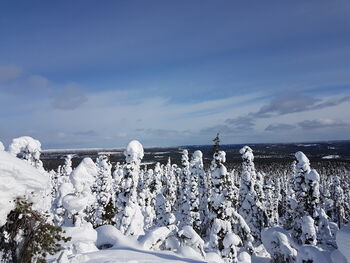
x=343 y=241
x=19 y=179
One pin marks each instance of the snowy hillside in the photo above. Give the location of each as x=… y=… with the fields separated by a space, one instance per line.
x=98 y=212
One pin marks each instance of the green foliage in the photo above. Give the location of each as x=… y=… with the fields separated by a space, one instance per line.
x=109 y=213
x=27 y=235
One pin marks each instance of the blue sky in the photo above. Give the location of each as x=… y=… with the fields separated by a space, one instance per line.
x=100 y=73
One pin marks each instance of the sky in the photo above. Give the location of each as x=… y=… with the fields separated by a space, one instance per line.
x=81 y=74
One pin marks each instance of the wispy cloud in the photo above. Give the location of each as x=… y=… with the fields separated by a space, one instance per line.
x=323 y=123
x=280 y=127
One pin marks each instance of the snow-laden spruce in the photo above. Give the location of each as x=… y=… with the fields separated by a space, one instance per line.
x=28 y=149
x=250 y=206
x=129 y=218
x=79 y=203
x=104 y=213
x=225 y=222
x=306 y=188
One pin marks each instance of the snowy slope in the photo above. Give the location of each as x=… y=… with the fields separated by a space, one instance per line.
x=18 y=179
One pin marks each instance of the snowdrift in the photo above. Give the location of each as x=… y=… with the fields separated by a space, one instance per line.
x=19 y=179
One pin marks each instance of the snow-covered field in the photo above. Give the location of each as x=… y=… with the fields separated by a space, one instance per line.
x=126 y=214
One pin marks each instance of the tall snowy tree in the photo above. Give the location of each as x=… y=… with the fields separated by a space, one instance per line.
x=337 y=194
x=129 y=218
x=184 y=186
x=104 y=206
x=196 y=171
x=306 y=188
x=225 y=221
x=251 y=208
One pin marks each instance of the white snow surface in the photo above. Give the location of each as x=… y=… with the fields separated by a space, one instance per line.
x=343 y=241
x=19 y=179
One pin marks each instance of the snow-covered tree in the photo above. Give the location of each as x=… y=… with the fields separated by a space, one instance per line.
x=129 y=218
x=278 y=243
x=76 y=196
x=184 y=186
x=338 y=197
x=104 y=206
x=251 y=208
x=306 y=188
x=271 y=202
x=147 y=199
x=28 y=149
x=170 y=184
x=221 y=210
x=196 y=171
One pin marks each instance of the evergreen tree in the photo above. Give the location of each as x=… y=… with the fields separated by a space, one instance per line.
x=104 y=211
x=129 y=218
x=184 y=213
x=196 y=171
x=306 y=188
x=251 y=208
x=27 y=236
x=221 y=211
x=216 y=147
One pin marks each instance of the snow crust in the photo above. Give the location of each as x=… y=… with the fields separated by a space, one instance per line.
x=19 y=179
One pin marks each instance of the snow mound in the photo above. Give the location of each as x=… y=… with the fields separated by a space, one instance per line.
x=19 y=179
x=83 y=239
x=244 y=257
x=110 y=235
x=24 y=143
x=309 y=253
x=343 y=241
x=134 y=152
